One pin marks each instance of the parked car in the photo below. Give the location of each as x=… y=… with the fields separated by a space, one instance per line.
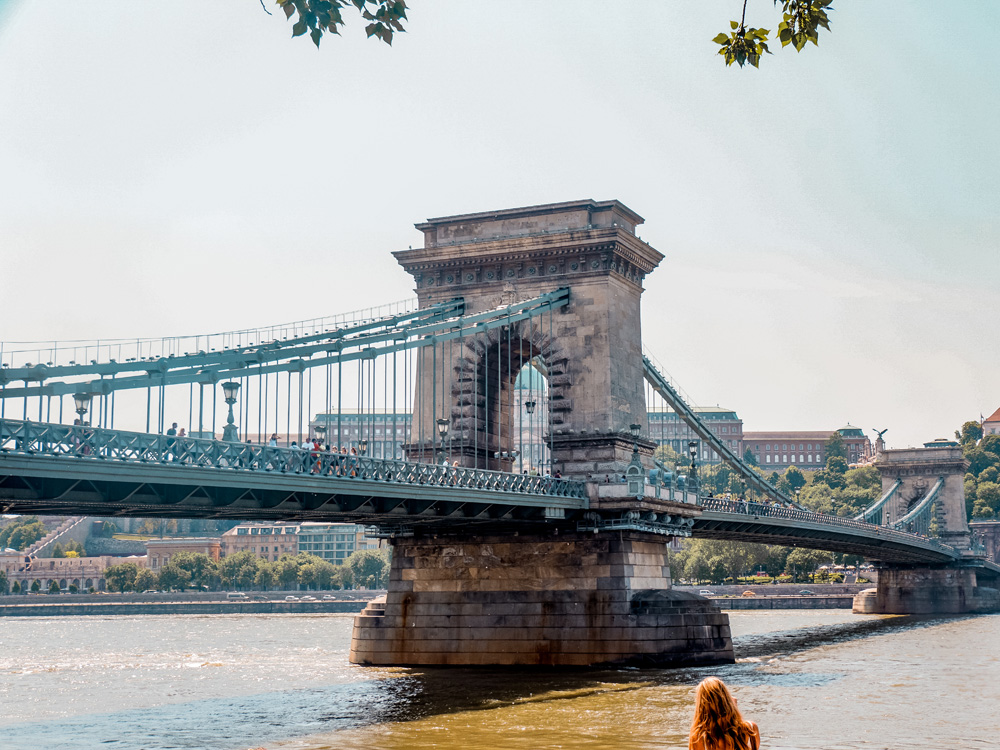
x=706 y=592
x=308 y=599
x=328 y=597
x=291 y=598
x=235 y=596
x=748 y=593
x=806 y=592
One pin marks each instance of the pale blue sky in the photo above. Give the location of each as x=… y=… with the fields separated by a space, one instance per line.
x=830 y=221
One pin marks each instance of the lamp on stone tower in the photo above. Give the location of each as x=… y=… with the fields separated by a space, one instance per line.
x=635 y=429
x=229 y=391
x=82 y=403
x=443 y=425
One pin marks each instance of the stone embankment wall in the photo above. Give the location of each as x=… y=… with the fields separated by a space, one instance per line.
x=781 y=589
x=44 y=605
x=785 y=602
x=180 y=608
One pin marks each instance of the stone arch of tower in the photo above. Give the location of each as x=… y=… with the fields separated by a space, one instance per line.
x=482 y=392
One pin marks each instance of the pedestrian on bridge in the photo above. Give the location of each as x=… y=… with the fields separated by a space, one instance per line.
x=718 y=723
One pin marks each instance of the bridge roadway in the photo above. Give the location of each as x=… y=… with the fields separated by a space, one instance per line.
x=46 y=468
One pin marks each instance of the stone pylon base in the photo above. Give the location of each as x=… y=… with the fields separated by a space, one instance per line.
x=576 y=600
x=926 y=591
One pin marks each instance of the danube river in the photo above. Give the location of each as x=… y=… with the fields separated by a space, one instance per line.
x=811 y=679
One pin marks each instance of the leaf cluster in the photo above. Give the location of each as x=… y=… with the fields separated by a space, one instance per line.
x=801 y=22
x=385 y=17
x=743 y=45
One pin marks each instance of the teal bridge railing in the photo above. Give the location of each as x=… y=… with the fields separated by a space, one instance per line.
x=76 y=443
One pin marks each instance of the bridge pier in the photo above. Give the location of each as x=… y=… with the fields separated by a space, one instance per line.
x=915 y=590
x=572 y=599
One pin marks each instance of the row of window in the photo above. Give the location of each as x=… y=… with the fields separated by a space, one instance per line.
x=255 y=530
x=784 y=458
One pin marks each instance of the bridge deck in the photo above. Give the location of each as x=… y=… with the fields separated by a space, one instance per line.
x=55 y=469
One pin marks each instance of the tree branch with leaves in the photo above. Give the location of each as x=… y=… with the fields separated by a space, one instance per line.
x=801 y=22
x=385 y=17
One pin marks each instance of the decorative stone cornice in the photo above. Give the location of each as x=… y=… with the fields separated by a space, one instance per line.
x=562 y=257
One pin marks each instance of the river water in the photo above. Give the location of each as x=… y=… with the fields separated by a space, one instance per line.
x=811 y=679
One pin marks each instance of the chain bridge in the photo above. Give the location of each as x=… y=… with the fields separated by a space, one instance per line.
x=494 y=429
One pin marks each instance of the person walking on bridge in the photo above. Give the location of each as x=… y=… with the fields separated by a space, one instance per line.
x=718 y=723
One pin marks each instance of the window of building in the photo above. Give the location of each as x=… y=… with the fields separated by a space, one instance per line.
x=801 y=458
x=767 y=458
x=784 y=458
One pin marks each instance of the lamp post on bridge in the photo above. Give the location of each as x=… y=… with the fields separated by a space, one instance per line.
x=229 y=433
x=529 y=407
x=363 y=446
x=82 y=403
x=320 y=431
x=442 y=425
x=693 y=478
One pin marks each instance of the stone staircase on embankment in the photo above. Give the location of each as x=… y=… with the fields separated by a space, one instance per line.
x=62 y=532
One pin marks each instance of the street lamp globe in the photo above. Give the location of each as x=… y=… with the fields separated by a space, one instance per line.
x=82 y=403
x=363 y=446
x=229 y=391
x=229 y=433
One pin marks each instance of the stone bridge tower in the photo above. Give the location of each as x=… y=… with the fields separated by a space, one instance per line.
x=546 y=592
x=918 y=470
x=591 y=350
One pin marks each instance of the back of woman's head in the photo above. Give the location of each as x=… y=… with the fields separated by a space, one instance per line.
x=718 y=723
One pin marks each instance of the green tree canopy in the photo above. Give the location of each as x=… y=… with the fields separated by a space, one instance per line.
x=121 y=577
x=240 y=570
x=836 y=447
x=173 y=576
x=22 y=532
x=668 y=457
x=145 y=579
x=970 y=434
x=806 y=560
x=795 y=478
x=369 y=568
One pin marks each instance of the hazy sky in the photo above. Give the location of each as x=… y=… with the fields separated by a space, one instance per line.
x=830 y=221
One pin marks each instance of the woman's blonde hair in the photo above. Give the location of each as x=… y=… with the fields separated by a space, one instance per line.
x=718 y=723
